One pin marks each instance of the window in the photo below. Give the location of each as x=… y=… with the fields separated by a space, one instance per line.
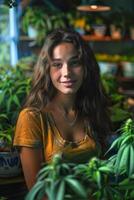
x=8 y=36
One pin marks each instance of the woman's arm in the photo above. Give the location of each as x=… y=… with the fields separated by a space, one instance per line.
x=31 y=160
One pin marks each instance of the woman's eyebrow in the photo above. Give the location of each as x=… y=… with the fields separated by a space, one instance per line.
x=56 y=59
x=74 y=57
x=71 y=58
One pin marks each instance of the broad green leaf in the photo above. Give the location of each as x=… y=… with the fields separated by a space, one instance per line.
x=77 y=187
x=3 y=116
x=41 y=194
x=131 y=166
x=16 y=100
x=118 y=158
x=114 y=144
x=32 y=194
x=128 y=139
x=106 y=169
x=98 y=179
x=61 y=191
x=124 y=158
x=9 y=101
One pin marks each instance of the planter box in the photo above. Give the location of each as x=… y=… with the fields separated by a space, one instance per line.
x=10 y=164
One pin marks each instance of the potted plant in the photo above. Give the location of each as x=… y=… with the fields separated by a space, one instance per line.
x=99 y=27
x=39 y=22
x=118 y=108
x=13 y=88
x=117 y=24
x=109 y=179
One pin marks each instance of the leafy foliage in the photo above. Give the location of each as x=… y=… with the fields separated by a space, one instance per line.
x=58 y=181
x=43 y=20
x=110 y=179
x=118 y=108
x=124 y=160
x=14 y=86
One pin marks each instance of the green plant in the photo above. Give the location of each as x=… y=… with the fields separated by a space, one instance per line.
x=14 y=86
x=97 y=176
x=109 y=179
x=6 y=138
x=58 y=181
x=43 y=21
x=118 y=107
x=124 y=161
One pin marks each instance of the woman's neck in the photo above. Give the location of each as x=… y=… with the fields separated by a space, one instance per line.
x=65 y=102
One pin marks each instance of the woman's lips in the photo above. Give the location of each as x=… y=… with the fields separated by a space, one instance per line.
x=68 y=83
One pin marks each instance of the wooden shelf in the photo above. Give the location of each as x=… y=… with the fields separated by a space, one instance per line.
x=11 y=180
x=126 y=79
x=103 y=38
x=96 y=38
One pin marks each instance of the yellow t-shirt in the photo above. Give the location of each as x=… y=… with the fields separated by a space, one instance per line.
x=38 y=130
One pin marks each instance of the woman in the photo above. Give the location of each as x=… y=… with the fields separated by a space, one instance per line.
x=66 y=110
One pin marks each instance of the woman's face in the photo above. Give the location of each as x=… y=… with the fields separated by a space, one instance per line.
x=66 y=70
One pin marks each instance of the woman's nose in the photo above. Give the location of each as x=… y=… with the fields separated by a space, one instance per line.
x=65 y=69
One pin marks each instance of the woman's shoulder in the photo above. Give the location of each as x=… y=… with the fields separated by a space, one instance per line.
x=29 y=111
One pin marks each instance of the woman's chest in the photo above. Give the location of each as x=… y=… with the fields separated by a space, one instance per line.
x=77 y=150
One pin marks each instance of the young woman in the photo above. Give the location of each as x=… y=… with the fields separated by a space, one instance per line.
x=66 y=110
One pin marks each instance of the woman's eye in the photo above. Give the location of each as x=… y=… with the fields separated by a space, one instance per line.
x=74 y=63
x=56 y=65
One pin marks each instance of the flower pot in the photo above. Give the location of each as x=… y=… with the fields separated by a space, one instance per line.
x=116 y=32
x=99 y=30
x=10 y=165
x=128 y=69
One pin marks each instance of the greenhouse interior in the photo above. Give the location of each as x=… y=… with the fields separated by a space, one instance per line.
x=101 y=35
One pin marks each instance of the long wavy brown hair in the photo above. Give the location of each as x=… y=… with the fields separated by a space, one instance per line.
x=91 y=101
